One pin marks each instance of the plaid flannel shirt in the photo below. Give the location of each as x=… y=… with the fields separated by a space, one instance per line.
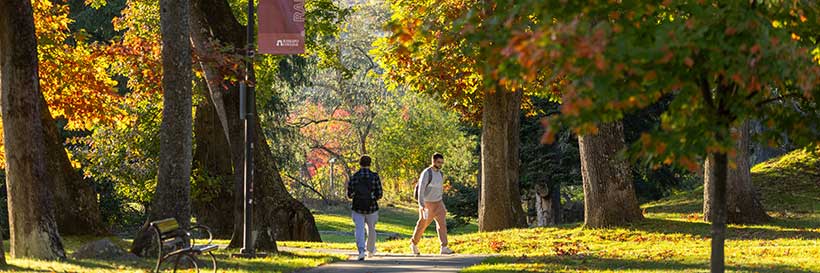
x=365 y=175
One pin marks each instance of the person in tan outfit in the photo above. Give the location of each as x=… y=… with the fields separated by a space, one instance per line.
x=429 y=193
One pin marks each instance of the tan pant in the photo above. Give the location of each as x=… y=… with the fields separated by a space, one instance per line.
x=435 y=212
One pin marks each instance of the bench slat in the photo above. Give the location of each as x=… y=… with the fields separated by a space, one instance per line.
x=166 y=225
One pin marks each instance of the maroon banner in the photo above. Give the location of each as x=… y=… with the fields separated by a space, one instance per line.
x=281 y=27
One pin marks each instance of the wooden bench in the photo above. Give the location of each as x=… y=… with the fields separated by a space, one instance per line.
x=173 y=242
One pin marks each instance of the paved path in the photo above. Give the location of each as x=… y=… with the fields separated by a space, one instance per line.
x=386 y=263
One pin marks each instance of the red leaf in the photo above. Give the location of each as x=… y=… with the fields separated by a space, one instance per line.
x=689 y=62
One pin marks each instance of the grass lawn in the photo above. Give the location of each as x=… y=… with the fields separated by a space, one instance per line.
x=285 y=262
x=671 y=239
x=393 y=219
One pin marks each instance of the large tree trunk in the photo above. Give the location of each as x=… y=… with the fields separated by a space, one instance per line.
x=609 y=196
x=743 y=205
x=32 y=224
x=499 y=207
x=718 y=204
x=173 y=194
x=514 y=162
x=278 y=215
x=83 y=216
x=213 y=203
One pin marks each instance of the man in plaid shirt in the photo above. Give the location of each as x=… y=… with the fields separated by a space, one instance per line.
x=365 y=188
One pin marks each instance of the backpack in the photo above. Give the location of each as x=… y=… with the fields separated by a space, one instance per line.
x=429 y=173
x=362 y=194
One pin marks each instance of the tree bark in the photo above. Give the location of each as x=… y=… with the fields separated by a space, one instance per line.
x=555 y=198
x=83 y=216
x=497 y=207
x=32 y=225
x=544 y=207
x=718 y=204
x=214 y=205
x=743 y=204
x=514 y=162
x=278 y=215
x=173 y=194
x=609 y=196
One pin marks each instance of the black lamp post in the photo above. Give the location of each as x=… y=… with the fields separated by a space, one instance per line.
x=247 y=109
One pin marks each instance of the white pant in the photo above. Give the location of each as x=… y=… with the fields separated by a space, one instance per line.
x=370 y=220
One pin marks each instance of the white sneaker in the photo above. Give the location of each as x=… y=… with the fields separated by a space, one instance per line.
x=446 y=251
x=414 y=248
x=371 y=254
x=361 y=256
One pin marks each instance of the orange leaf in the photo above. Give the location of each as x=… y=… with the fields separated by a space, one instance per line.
x=755 y=49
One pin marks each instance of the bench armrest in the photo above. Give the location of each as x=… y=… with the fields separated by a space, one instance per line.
x=200 y=227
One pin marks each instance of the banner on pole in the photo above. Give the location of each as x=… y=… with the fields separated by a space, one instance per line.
x=281 y=27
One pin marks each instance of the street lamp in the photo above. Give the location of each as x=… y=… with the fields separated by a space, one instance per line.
x=281 y=32
x=332 y=192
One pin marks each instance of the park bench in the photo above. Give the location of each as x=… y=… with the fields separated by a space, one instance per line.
x=174 y=242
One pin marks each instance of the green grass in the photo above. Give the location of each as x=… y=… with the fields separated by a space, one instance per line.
x=672 y=238
x=284 y=262
x=393 y=218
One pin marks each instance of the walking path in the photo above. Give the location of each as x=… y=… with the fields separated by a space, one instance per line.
x=388 y=263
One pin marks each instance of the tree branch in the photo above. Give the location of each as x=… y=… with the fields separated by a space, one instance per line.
x=316 y=145
x=770 y=100
x=310 y=188
x=706 y=91
x=364 y=53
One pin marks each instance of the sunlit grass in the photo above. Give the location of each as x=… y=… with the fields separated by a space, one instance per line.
x=284 y=262
x=393 y=219
x=673 y=238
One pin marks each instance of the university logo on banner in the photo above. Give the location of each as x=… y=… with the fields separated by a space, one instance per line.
x=281 y=27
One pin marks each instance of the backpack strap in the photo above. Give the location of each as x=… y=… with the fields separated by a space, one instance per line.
x=429 y=176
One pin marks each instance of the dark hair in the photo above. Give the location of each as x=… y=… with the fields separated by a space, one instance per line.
x=437 y=156
x=364 y=161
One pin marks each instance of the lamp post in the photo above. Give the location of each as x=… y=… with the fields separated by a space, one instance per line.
x=247 y=109
x=282 y=32
x=332 y=192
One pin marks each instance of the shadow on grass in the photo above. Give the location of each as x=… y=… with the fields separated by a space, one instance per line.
x=270 y=264
x=509 y=264
x=768 y=231
x=130 y=265
x=284 y=262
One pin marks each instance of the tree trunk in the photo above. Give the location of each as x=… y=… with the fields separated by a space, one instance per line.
x=278 y=215
x=173 y=194
x=497 y=207
x=514 y=162
x=478 y=178
x=213 y=203
x=609 y=196
x=544 y=207
x=83 y=216
x=32 y=224
x=718 y=204
x=555 y=198
x=743 y=205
